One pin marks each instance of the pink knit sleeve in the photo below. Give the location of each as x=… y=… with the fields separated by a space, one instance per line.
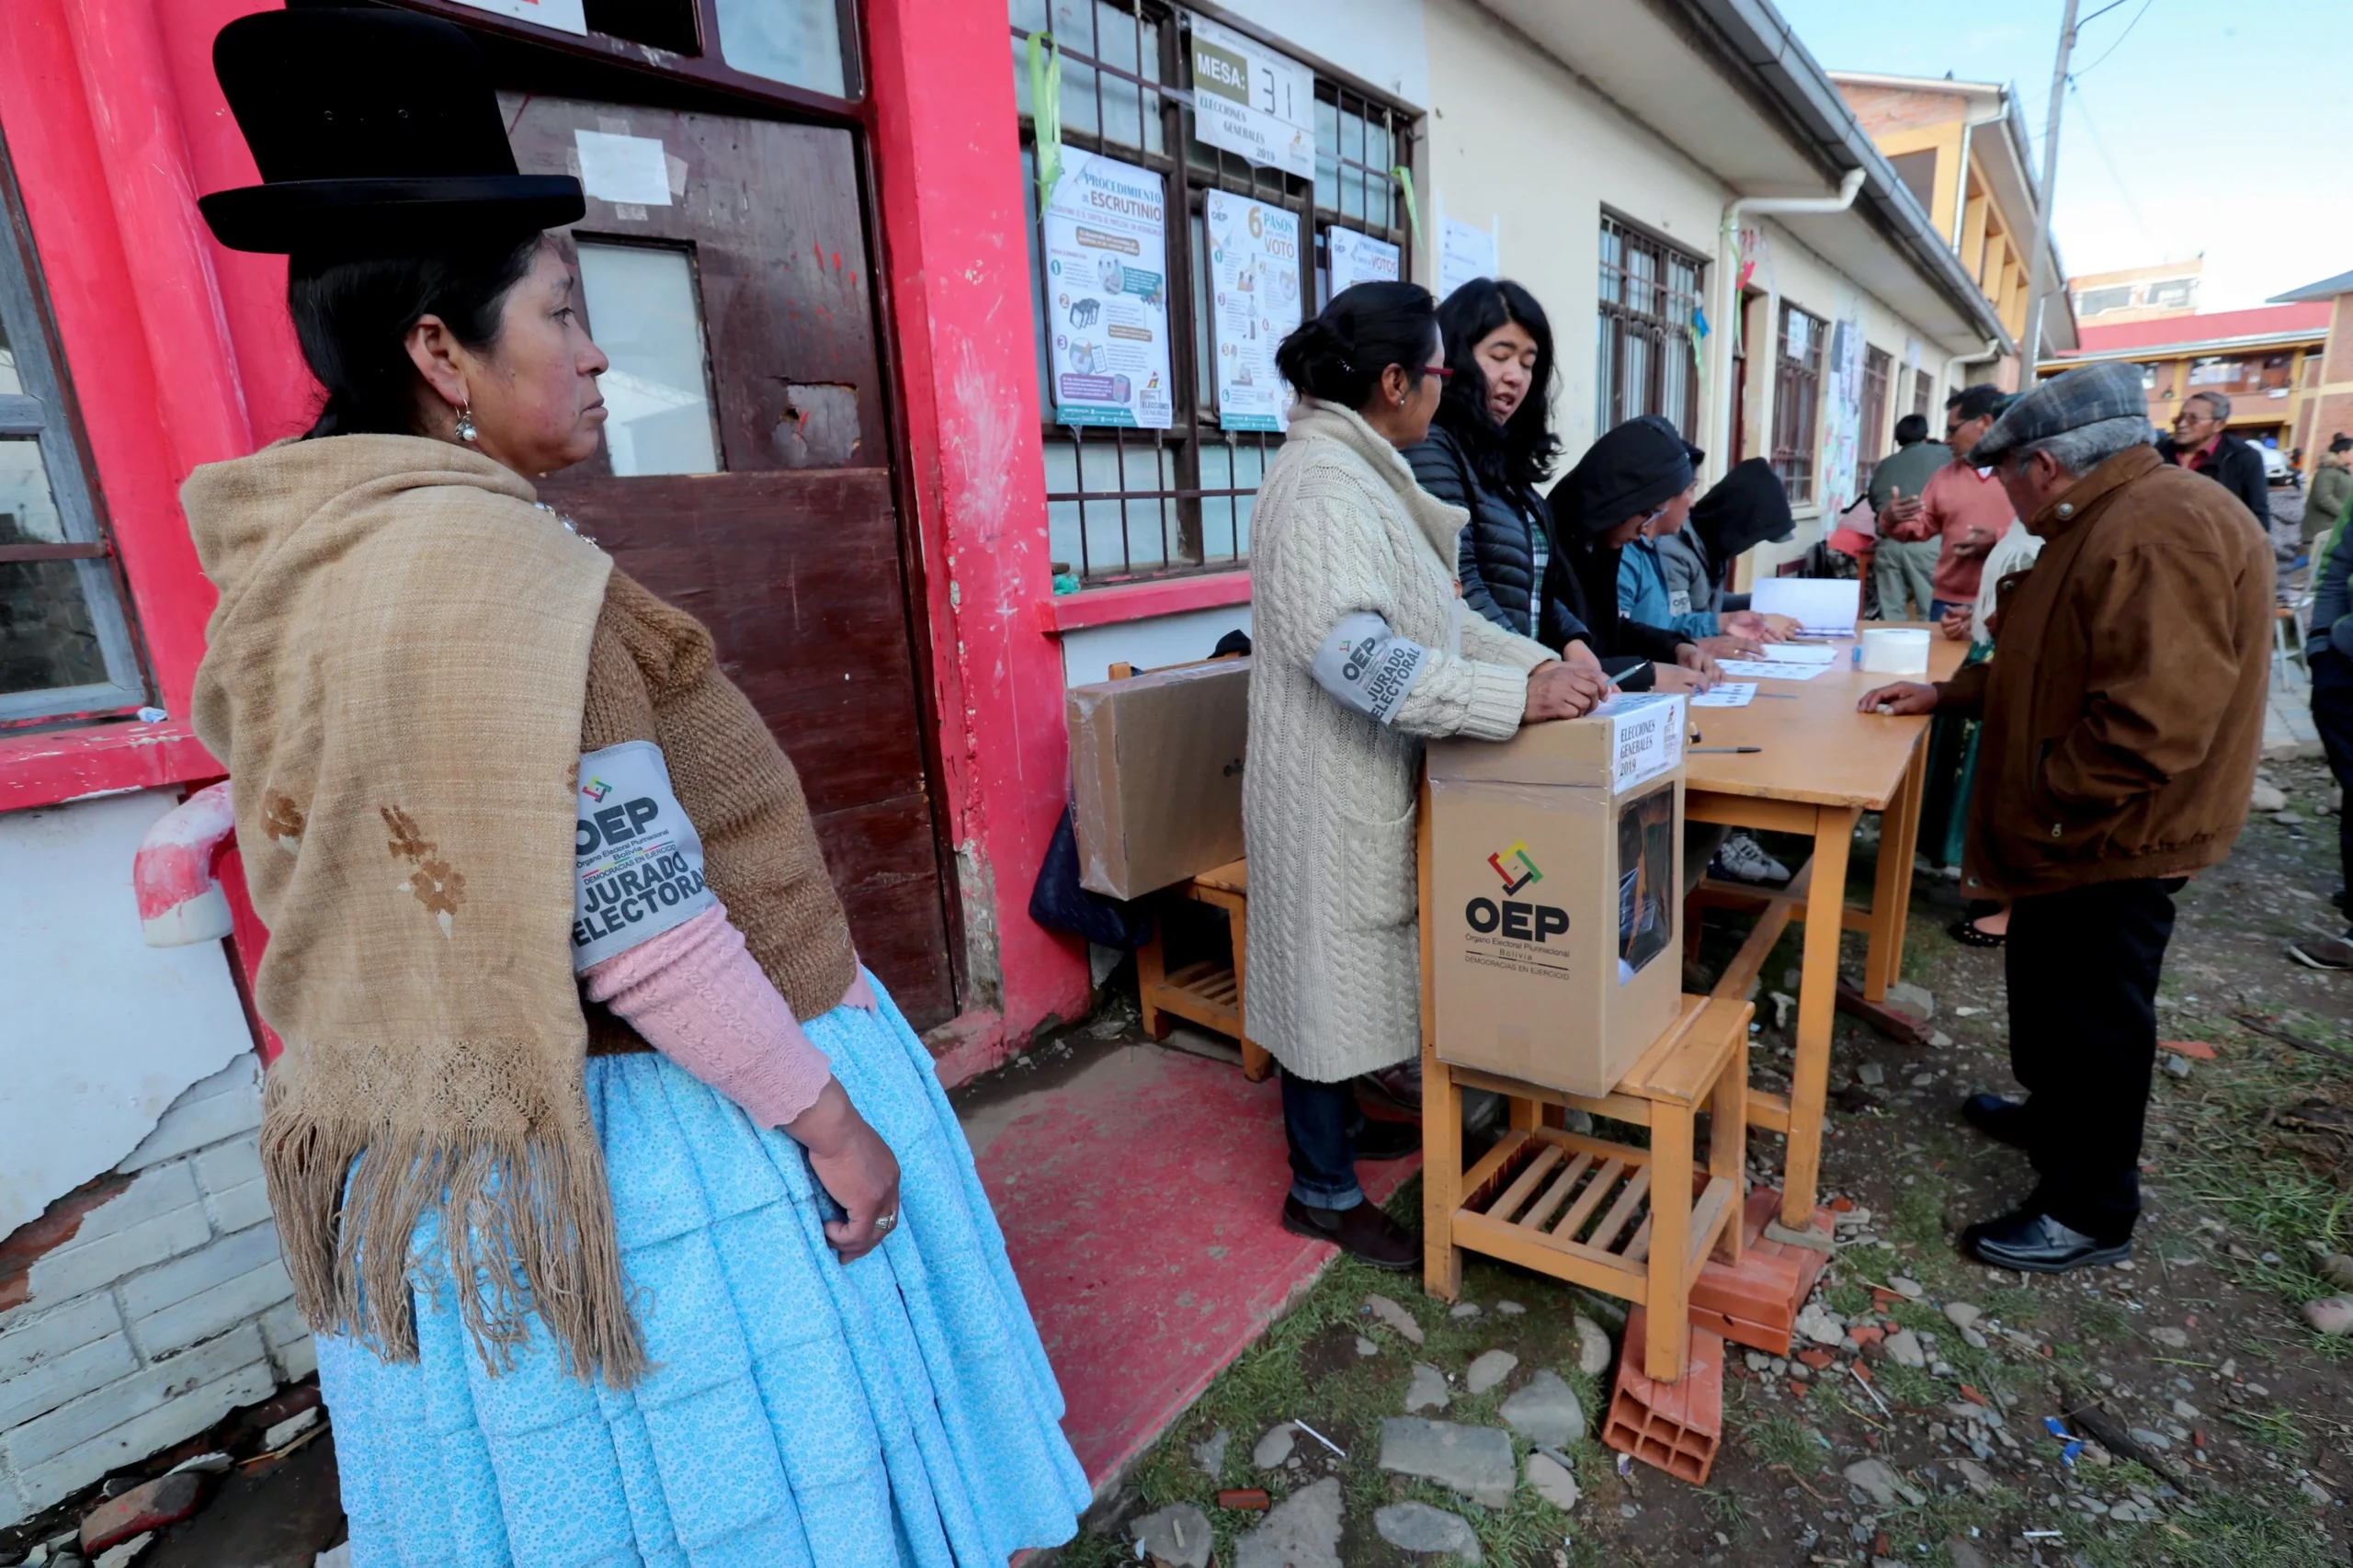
x=699 y=997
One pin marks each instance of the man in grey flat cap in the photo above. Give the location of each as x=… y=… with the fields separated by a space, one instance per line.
x=2122 y=712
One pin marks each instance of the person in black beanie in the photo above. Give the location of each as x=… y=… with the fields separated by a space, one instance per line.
x=1635 y=477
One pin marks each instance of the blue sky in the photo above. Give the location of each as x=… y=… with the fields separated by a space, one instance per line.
x=2221 y=129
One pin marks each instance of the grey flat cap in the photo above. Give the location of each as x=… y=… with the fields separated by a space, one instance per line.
x=2066 y=402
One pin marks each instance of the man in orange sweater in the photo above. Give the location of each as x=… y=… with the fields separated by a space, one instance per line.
x=1961 y=503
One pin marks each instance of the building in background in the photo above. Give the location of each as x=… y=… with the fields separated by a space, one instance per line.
x=2327 y=383
x=2137 y=293
x=1961 y=149
x=2266 y=361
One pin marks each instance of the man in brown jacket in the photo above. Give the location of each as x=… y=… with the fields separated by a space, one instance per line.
x=2121 y=718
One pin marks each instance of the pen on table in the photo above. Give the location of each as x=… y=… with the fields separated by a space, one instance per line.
x=1728 y=749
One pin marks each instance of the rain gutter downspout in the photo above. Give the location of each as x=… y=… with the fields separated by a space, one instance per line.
x=1726 y=287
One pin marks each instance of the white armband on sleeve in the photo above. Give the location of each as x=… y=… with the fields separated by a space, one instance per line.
x=637 y=861
x=1369 y=667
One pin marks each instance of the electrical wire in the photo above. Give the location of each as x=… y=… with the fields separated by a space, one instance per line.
x=2112 y=48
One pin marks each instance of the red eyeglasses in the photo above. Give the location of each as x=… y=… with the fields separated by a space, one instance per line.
x=1443 y=372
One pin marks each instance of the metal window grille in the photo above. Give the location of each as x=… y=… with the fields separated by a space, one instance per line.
x=1125 y=504
x=1645 y=362
x=1797 y=398
x=65 y=646
x=1923 y=389
x=1878 y=370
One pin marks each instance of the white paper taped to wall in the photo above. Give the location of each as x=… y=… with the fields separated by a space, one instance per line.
x=631 y=169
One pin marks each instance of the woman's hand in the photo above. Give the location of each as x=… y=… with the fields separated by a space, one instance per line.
x=1756 y=627
x=1731 y=646
x=1955 y=625
x=854 y=1164
x=1905 y=696
x=1674 y=678
x=1562 y=691
x=1580 y=655
x=1693 y=657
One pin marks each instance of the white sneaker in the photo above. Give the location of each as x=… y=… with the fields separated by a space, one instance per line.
x=1742 y=858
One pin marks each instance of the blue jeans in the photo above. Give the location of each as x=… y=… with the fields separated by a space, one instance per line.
x=1321 y=1121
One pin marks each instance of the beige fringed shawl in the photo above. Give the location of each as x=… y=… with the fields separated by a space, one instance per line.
x=395 y=676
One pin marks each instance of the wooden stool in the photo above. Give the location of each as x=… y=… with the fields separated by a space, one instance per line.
x=1208 y=992
x=1534 y=1199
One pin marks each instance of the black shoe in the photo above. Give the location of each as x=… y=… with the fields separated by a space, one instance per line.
x=1383 y=1139
x=1364 y=1232
x=2002 y=1120
x=1398 y=1087
x=2037 y=1243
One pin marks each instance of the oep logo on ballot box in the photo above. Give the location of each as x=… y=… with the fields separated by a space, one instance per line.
x=1518 y=921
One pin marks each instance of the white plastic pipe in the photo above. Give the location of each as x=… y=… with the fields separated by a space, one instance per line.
x=1723 y=318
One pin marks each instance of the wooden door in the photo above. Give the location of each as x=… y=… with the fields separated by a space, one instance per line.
x=745 y=476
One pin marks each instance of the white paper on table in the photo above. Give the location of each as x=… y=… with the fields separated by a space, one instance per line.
x=1817 y=604
x=1730 y=694
x=1798 y=653
x=632 y=169
x=1761 y=669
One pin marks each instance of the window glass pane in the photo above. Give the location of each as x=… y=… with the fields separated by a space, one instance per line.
x=1078 y=99
x=47 y=637
x=1115 y=37
x=1351 y=191
x=1029 y=15
x=798 y=42
x=1073 y=26
x=645 y=316
x=10 y=385
x=1206 y=393
x=1352 y=137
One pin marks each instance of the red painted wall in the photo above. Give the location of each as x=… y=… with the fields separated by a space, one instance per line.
x=180 y=353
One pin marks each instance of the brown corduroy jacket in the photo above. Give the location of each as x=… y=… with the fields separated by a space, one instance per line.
x=2123 y=712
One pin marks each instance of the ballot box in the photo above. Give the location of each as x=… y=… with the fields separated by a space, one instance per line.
x=1156 y=775
x=1556 y=883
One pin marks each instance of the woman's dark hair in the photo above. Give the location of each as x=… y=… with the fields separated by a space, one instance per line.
x=1519 y=451
x=1339 y=356
x=351 y=315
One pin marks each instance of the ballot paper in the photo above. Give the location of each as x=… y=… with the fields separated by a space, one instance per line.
x=1763 y=669
x=1824 y=606
x=1799 y=652
x=1730 y=694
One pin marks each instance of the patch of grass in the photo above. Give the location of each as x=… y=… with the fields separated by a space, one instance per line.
x=1784 y=1439
x=2277 y=1429
x=1727 y=1510
x=2101 y=1323
x=2227 y=1530
x=1901 y=1386
x=1848 y=1300
x=2016 y=1305
x=1918 y=1221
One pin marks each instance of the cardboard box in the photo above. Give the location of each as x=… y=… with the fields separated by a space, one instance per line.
x=1156 y=775
x=1555 y=894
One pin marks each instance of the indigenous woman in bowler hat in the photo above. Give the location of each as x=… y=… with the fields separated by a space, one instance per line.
x=631 y=1217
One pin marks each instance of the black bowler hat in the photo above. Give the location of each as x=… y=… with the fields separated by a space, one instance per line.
x=370 y=128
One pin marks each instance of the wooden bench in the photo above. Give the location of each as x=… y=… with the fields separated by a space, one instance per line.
x=1206 y=993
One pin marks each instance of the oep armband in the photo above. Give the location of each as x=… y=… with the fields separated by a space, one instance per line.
x=1369 y=667
x=637 y=861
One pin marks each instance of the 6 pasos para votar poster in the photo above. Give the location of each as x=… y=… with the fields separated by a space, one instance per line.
x=1254 y=272
x=1106 y=293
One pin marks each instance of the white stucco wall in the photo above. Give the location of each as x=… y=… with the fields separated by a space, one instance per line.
x=1089 y=653
x=100 y=1033
x=1379 y=42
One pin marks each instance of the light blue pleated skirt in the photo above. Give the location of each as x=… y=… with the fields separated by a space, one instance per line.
x=898 y=1411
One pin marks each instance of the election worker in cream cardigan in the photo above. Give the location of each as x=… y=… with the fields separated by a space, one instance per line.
x=1362 y=650
x=628 y=1210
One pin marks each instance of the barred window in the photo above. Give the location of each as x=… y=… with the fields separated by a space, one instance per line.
x=1797 y=399
x=1924 y=387
x=1871 y=435
x=1649 y=300
x=65 y=646
x=1127 y=503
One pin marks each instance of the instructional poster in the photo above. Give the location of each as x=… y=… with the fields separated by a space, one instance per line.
x=1463 y=253
x=1254 y=273
x=1357 y=258
x=1250 y=100
x=1106 y=285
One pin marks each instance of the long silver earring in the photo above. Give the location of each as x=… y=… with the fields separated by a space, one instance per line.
x=465 y=430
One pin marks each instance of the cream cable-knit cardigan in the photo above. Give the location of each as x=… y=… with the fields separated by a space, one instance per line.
x=1334 y=974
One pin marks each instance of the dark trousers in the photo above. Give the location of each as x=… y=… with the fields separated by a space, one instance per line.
x=2333 y=716
x=1321 y=1121
x=2082 y=976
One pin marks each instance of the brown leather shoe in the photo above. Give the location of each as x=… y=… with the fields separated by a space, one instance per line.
x=1364 y=1232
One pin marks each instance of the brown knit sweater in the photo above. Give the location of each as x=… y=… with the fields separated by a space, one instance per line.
x=653 y=675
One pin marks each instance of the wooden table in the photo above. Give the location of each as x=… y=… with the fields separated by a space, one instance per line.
x=1822 y=767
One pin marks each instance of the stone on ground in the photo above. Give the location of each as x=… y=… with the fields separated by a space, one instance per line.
x=1275 y=1446
x=1210 y=1454
x=2173 y=1339
x=1980 y=1479
x=1301 y=1531
x=1426 y=1531
x=2331 y=1315
x=1390 y=1313
x=1474 y=1460
x=1551 y=1480
x=1366 y=1347
x=2337 y=1269
x=1465 y=1309
x=1547 y=1411
x=1488 y=1371
x=2268 y=798
x=1509 y=1309
x=1870 y=1075
x=1915 y=999
x=146 y=1507
x=1910 y=1289
x=1878 y=1479
x=1818 y=1323
x=1903 y=1348
x=1961 y=1315
x=1427 y=1390
x=1963 y=1555
x=1593 y=1347
x=1178 y=1536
